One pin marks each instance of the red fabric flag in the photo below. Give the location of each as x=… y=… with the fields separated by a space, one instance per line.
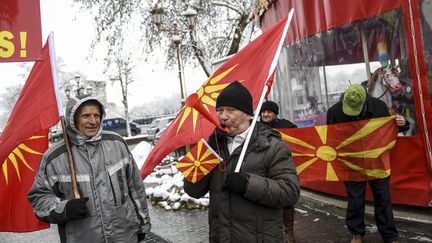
x=36 y=108
x=354 y=151
x=198 y=162
x=251 y=66
x=34 y=112
x=16 y=177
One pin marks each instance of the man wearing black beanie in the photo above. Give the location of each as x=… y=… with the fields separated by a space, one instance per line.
x=269 y=116
x=248 y=205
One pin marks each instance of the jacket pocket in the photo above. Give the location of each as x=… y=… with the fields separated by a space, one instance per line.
x=116 y=181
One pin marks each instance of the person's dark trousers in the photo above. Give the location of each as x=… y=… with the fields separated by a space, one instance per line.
x=383 y=209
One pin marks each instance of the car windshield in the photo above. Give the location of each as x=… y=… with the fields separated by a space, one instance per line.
x=155 y=123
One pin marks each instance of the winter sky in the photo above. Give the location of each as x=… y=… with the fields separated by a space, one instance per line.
x=73 y=33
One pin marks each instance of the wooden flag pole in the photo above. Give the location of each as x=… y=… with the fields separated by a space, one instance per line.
x=61 y=114
x=70 y=159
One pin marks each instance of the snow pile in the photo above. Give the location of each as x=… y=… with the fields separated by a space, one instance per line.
x=164 y=187
x=140 y=153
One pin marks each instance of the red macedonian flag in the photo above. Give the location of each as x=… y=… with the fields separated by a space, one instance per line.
x=198 y=162
x=24 y=140
x=252 y=66
x=16 y=177
x=352 y=151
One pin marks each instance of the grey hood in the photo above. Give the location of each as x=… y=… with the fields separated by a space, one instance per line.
x=74 y=135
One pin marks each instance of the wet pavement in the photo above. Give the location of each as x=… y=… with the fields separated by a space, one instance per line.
x=174 y=226
x=312 y=226
x=190 y=226
x=180 y=226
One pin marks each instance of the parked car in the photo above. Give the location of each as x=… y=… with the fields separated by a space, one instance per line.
x=55 y=135
x=178 y=152
x=157 y=125
x=158 y=135
x=118 y=125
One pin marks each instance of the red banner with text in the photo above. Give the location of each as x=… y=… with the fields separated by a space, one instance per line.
x=20 y=30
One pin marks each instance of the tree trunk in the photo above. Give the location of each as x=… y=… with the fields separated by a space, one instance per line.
x=235 y=44
x=200 y=55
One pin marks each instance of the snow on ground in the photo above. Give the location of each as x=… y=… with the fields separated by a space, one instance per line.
x=300 y=211
x=164 y=186
x=421 y=238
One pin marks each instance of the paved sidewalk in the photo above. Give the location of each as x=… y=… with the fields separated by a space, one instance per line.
x=319 y=218
x=183 y=226
x=408 y=218
x=153 y=238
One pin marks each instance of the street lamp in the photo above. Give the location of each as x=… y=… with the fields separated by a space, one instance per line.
x=80 y=90
x=190 y=15
x=77 y=88
x=177 y=42
x=157 y=13
x=67 y=92
x=77 y=79
x=89 y=90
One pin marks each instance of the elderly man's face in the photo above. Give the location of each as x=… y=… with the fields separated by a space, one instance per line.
x=267 y=116
x=88 y=120
x=235 y=121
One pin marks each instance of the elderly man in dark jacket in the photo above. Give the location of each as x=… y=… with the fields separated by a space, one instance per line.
x=246 y=206
x=356 y=105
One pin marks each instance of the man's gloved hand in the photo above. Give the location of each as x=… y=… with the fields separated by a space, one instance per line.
x=141 y=236
x=77 y=208
x=236 y=182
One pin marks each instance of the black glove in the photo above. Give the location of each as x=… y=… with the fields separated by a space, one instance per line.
x=77 y=208
x=236 y=182
x=141 y=236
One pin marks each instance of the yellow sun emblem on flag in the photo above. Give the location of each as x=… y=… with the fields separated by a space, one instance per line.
x=334 y=153
x=207 y=95
x=198 y=162
x=17 y=155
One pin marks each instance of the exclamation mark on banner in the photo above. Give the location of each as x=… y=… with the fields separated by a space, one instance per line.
x=23 y=41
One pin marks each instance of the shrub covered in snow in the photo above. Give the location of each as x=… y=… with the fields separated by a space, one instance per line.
x=164 y=187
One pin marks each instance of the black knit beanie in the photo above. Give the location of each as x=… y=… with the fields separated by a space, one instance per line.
x=236 y=96
x=271 y=106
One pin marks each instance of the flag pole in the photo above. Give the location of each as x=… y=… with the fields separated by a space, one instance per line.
x=263 y=94
x=62 y=116
x=70 y=158
x=251 y=128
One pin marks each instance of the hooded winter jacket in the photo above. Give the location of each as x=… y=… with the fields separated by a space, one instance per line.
x=106 y=173
x=273 y=184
